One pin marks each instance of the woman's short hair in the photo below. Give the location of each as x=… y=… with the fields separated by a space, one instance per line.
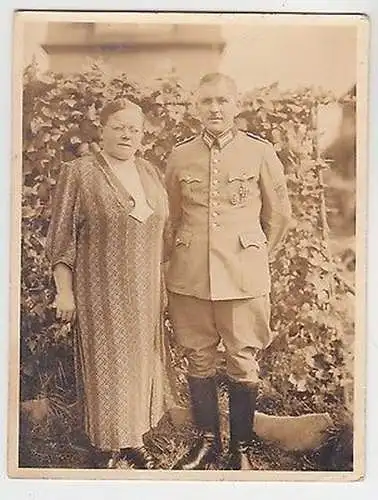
x=112 y=107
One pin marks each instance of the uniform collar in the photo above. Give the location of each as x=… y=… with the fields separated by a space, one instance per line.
x=219 y=141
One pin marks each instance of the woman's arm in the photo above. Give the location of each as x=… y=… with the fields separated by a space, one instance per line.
x=61 y=239
x=65 y=300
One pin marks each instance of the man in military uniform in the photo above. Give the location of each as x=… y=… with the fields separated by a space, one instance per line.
x=230 y=212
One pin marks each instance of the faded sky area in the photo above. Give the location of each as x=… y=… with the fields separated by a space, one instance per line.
x=292 y=55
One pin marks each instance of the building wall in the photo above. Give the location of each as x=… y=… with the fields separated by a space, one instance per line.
x=143 y=65
x=142 y=51
x=33 y=37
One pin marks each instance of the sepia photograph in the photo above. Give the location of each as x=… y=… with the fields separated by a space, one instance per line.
x=188 y=246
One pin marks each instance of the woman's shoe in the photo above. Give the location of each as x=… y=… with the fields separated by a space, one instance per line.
x=99 y=459
x=135 y=458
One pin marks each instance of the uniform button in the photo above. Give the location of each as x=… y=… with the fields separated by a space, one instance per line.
x=215 y=181
x=132 y=203
x=215 y=214
x=215 y=224
x=216 y=170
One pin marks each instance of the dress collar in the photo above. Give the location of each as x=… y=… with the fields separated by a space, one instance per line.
x=113 y=162
x=123 y=194
x=219 y=141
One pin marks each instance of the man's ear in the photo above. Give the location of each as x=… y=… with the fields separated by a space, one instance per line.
x=194 y=106
x=238 y=104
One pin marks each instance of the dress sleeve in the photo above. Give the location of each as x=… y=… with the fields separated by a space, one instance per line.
x=167 y=231
x=63 y=230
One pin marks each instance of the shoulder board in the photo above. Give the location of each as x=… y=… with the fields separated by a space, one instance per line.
x=257 y=137
x=185 y=141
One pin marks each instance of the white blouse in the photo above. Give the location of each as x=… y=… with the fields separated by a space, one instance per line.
x=128 y=175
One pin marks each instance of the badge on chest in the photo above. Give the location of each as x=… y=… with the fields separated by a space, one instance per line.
x=240 y=187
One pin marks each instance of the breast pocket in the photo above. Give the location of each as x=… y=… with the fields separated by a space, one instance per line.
x=190 y=185
x=241 y=187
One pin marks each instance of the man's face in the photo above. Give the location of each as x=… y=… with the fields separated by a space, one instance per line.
x=217 y=105
x=122 y=133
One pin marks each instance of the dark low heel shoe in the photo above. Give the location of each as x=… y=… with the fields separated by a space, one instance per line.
x=135 y=458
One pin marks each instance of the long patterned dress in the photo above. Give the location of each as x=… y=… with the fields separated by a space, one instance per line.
x=116 y=265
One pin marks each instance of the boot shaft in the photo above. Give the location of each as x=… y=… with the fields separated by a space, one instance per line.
x=204 y=403
x=242 y=407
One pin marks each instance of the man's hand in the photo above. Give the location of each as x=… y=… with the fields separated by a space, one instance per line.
x=65 y=306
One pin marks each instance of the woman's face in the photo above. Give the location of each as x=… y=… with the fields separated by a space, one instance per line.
x=122 y=133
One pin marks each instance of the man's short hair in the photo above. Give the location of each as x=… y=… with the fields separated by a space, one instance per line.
x=218 y=77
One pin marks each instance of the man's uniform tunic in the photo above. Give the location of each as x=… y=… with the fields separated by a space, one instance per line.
x=230 y=211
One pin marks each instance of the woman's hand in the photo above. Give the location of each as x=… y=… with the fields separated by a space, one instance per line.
x=65 y=306
x=64 y=300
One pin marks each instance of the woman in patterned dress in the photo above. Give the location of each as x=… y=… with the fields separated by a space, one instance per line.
x=105 y=244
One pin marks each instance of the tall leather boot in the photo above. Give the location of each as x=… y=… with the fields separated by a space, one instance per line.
x=204 y=406
x=242 y=406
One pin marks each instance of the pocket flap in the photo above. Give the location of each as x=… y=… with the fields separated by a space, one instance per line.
x=189 y=179
x=242 y=176
x=250 y=239
x=183 y=238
